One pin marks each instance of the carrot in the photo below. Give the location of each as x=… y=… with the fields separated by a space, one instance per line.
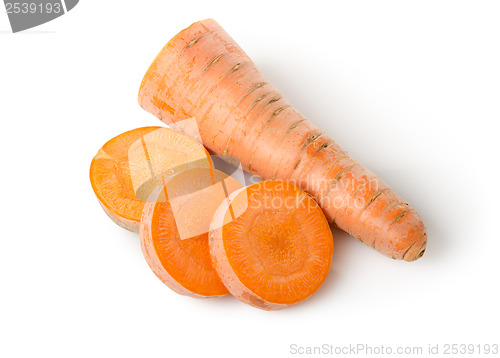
x=203 y=73
x=127 y=168
x=174 y=233
x=271 y=244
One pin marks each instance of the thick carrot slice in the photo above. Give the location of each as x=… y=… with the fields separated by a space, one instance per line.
x=174 y=234
x=271 y=244
x=203 y=73
x=129 y=166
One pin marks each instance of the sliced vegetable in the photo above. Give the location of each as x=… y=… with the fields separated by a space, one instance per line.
x=174 y=234
x=271 y=244
x=127 y=168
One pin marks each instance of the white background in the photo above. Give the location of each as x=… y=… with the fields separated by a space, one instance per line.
x=410 y=88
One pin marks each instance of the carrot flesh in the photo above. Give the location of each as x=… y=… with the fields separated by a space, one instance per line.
x=174 y=233
x=128 y=166
x=203 y=73
x=271 y=244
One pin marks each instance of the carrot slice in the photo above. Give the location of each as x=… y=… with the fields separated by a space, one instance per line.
x=129 y=166
x=174 y=234
x=271 y=244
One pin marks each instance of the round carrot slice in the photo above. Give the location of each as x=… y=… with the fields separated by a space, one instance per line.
x=271 y=244
x=129 y=166
x=174 y=233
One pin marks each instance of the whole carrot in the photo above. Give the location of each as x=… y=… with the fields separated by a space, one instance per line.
x=202 y=73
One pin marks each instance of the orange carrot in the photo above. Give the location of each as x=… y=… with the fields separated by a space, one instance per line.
x=203 y=73
x=271 y=244
x=127 y=168
x=174 y=233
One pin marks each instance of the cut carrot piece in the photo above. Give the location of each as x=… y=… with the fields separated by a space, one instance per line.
x=129 y=166
x=271 y=244
x=202 y=73
x=174 y=234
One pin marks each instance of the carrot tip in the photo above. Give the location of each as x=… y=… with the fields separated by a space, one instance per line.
x=417 y=250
